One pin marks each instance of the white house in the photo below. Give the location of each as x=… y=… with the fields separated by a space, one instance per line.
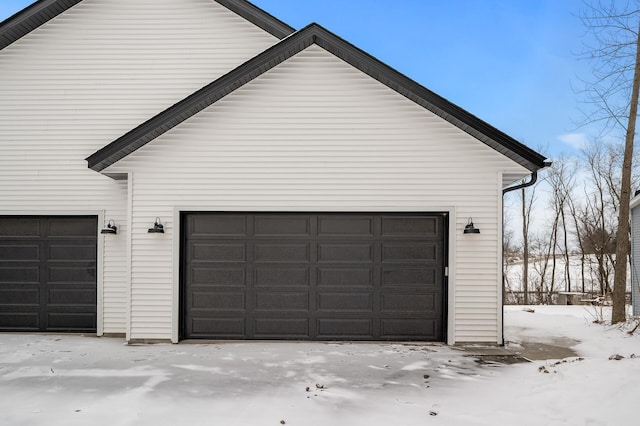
x=304 y=189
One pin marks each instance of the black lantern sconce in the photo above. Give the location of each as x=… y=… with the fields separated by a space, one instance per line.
x=111 y=228
x=157 y=227
x=470 y=229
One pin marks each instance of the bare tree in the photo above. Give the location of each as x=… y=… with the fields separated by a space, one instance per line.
x=623 y=248
x=573 y=211
x=541 y=250
x=597 y=226
x=614 y=96
x=527 y=200
x=597 y=241
x=561 y=180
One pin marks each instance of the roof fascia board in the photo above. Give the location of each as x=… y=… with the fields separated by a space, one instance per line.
x=258 y=17
x=42 y=11
x=28 y=19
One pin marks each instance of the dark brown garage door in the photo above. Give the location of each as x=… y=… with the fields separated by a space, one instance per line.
x=48 y=273
x=313 y=276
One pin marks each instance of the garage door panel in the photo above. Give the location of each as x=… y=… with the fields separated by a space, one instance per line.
x=19 y=252
x=223 y=276
x=231 y=328
x=269 y=226
x=316 y=276
x=19 y=321
x=278 y=328
x=344 y=252
x=354 y=276
x=275 y=252
x=282 y=301
x=221 y=252
x=399 y=275
x=70 y=227
x=19 y=228
x=218 y=226
x=19 y=296
x=411 y=227
x=19 y=274
x=268 y=276
x=330 y=226
x=48 y=273
x=340 y=328
x=416 y=252
x=408 y=302
x=400 y=329
x=71 y=297
x=70 y=321
x=79 y=274
x=72 y=253
x=344 y=301
x=219 y=301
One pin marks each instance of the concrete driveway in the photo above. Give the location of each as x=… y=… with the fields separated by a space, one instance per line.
x=56 y=379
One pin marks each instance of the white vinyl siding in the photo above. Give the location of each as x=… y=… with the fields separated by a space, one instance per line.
x=87 y=77
x=315 y=134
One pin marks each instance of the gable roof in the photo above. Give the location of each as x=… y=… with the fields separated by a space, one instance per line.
x=314 y=34
x=42 y=11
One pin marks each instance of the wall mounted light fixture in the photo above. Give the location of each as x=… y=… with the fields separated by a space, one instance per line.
x=111 y=228
x=470 y=229
x=157 y=227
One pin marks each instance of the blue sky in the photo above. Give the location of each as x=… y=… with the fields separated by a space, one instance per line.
x=513 y=63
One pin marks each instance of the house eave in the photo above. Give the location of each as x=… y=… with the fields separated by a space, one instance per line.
x=258 y=17
x=28 y=19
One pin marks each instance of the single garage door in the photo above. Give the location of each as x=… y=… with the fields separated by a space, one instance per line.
x=48 y=273
x=313 y=276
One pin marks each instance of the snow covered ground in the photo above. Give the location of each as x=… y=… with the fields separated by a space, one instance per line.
x=75 y=380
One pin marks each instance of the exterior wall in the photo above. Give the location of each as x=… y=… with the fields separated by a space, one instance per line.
x=635 y=255
x=315 y=134
x=87 y=77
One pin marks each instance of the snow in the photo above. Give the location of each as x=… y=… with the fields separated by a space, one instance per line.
x=78 y=380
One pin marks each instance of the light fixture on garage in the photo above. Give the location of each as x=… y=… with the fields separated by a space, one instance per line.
x=157 y=227
x=470 y=229
x=111 y=228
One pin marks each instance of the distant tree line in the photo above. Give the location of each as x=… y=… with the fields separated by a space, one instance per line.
x=571 y=247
